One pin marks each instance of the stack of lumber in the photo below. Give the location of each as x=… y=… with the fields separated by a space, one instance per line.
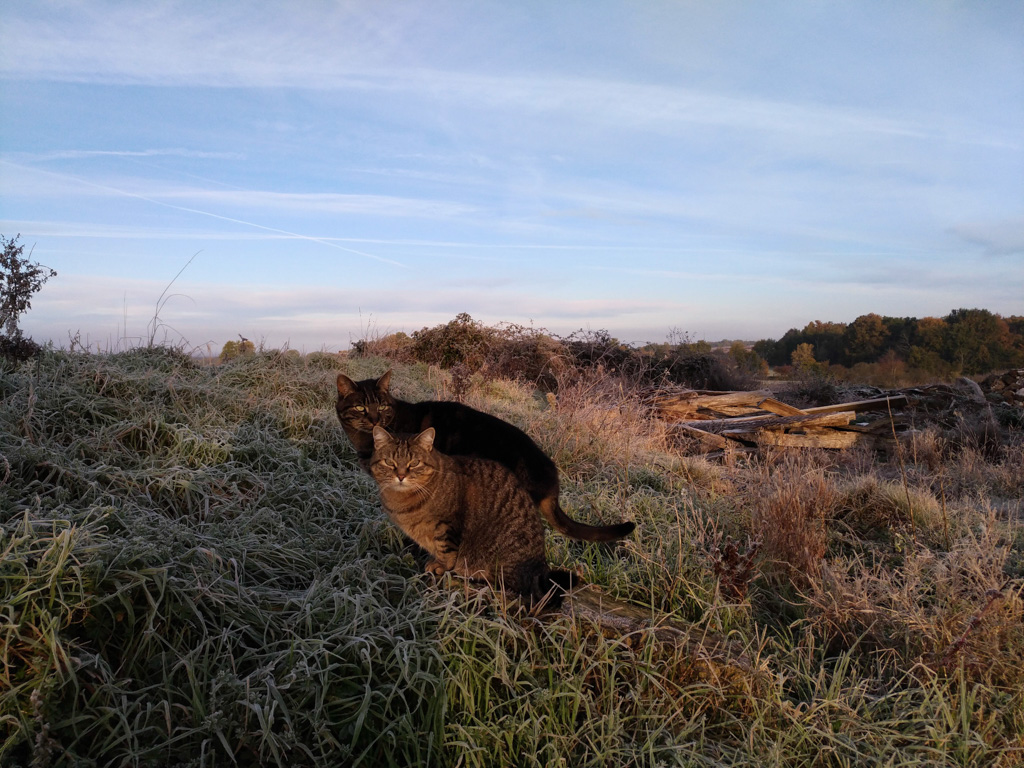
x=720 y=423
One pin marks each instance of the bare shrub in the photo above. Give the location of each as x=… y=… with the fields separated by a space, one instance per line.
x=926 y=447
x=525 y=353
x=978 y=430
x=943 y=609
x=791 y=501
x=509 y=350
x=18 y=349
x=597 y=416
x=872 y=507
x=969 y=472
x=685 y=363
x=393 y=346
x=733 y=568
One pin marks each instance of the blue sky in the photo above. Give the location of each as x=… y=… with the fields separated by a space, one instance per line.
x=721 y=169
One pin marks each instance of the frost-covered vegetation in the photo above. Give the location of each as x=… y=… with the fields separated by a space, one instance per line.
x=194 y=572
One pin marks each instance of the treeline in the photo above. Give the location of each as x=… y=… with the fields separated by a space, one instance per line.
x=887 y=351
x=966 y=341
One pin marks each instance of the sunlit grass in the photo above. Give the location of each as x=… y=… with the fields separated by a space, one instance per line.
x=194 y=572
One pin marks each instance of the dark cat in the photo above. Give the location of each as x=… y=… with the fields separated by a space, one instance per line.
x=471 y=515
x=462 y=431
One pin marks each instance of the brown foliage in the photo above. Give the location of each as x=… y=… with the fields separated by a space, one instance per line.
x=791 y=502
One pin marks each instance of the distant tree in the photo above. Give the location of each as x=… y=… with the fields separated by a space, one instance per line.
x=966 y=341
x=828 y=340
x=235 y=349
x=738 y=353
x=803 y=358
x=20 y=280
x=782 y=351
x=765 y=349
x=229 y=351
x=978 y=341
x=246 y=347
x=891 y=369
x=865 y=338
x=747 y=361
x=930 y=334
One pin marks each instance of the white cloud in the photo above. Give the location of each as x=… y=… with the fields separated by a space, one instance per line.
x=40 y=182
x=80 y=154
x=364 y=48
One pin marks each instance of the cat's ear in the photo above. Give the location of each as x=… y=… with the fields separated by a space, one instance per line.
x=346 y=386
x=425 y=439
x=381 y=438
x=384 y=381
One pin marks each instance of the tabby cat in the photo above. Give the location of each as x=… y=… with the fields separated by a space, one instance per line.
x=471 y=515
x=462 y=431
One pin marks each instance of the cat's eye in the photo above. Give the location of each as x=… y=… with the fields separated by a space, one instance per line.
x=415 y=464
x=385 y=407
x=359 y=409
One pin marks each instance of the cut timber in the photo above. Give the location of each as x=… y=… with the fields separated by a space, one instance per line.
x=709 y=441
x=875 y=404
x=716 y=657
x=725 y=424
x=772 y=405
x=721 y=411
x=748 y=423
x=832 y=438
x=687 y=405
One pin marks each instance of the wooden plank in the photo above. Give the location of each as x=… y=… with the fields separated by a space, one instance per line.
x=772 y=405
x=817 y=438
x=832 y=438
x=718 y=399
x=687 y=405
x=875 y=404
x=708 y=440
x=770 y=421
x=678 y=407
x=731 y=411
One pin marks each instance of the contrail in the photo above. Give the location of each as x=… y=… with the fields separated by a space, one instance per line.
x=136 y=195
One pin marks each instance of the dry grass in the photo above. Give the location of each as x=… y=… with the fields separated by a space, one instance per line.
x=195 y=573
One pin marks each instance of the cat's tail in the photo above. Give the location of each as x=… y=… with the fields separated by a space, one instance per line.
x=547 y=587
x=563 y=580
x=574 y=529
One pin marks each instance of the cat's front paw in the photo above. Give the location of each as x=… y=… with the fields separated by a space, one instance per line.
x=435 y=568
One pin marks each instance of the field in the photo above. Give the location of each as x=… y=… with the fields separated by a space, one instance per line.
x=195 y=573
